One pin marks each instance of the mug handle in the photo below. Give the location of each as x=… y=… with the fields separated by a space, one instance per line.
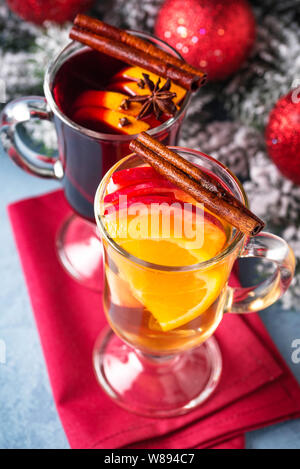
x=275 y=250
x=19 y=111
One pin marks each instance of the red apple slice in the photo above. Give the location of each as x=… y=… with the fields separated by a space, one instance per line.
x=131 y=176
x=162 y=198
x=150 y=188
x=143 y=199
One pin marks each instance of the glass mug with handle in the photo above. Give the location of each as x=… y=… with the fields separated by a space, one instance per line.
x=84 y=155
x=159 y=358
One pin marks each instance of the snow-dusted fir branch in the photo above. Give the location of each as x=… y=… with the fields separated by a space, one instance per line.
x=229 y=142
x=133 y=14
x=271 y=71
x=272 y=196
x=25 y=50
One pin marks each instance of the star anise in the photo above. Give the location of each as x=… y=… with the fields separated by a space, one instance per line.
x=159 y=102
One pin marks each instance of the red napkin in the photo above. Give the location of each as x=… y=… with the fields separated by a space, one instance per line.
x=235 y=443
x=256 y=387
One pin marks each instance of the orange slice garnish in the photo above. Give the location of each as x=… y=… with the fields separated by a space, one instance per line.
x=136 y=73
x=173 y=298
x=107 y=99
x=110 y=118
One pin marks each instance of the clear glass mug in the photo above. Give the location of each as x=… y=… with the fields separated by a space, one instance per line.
x=83 y=159
x=162 y=373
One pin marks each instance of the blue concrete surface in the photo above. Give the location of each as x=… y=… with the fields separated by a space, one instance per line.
x=28 y=417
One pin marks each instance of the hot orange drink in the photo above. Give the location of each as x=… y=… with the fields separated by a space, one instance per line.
x=162 y=311
x=172 y=222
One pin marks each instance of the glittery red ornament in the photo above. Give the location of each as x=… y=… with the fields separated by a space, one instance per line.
x=38 y=11
x=215 y=36
x=283 y=135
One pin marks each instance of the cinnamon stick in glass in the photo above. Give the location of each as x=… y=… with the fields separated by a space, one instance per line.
x=198 y=184
x=101 y=28
x=136 y=57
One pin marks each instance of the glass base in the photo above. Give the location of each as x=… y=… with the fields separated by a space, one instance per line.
x=156 y=386
x=80 y=251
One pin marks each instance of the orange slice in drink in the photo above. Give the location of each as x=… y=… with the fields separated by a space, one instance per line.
x=173 y=307
x=107 y=99
x=120 y=293
x=176 y=297
x=112 y=119
x=136 y=73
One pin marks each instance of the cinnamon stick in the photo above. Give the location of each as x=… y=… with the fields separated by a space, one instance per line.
x=132 y=56
x=104 y=29
x=198 y=184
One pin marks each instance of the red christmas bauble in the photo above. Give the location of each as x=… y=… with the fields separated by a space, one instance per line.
x=283 y=135
x=215 y=36
x=38 y=11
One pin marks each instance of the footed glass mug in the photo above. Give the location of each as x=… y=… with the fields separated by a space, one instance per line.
x=84 y=155
x=163 y=372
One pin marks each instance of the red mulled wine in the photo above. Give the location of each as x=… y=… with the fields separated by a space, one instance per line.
x=111 y=99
